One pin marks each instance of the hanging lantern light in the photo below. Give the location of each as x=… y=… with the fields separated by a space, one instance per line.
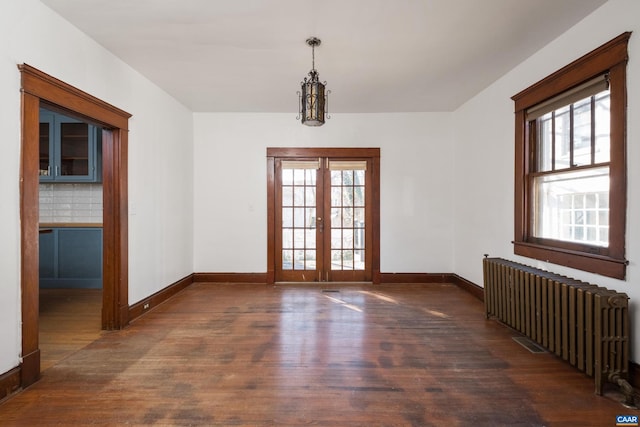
x=313 y=96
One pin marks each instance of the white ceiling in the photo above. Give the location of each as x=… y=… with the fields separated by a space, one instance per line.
x=376 y=55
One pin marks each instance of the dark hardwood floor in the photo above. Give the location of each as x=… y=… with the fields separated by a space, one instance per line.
x=255 y=355
x=69 y=320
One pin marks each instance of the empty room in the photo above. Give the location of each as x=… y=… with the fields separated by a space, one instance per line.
x=332 y=213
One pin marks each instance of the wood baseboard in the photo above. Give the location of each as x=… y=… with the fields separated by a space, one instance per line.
x=414 y=277
x=141 y=307
x=9 y=383
x=30 y=368
x=472 y=288
x=231 y=277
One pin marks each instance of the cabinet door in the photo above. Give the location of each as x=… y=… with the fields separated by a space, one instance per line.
x=71 y=258
x=47 y=254
x=76 y=150
x=47 y=127
x=80 y=253
x=68 y=151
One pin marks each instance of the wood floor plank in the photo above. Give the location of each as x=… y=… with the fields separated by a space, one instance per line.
x=255 y=355
x=69 y=320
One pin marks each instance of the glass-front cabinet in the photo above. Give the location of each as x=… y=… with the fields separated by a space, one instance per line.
x=69 y=149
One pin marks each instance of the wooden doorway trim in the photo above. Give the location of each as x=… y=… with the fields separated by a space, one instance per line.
x=275 y=152
x=36 y=87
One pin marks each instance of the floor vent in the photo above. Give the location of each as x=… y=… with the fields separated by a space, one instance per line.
x=330 y=290
x=529 y=345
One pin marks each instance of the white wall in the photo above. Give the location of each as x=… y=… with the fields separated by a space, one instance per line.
x=416 y=192
x=485 y=149
x=160 y=155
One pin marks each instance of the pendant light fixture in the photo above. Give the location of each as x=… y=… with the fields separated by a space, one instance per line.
x=312 y=98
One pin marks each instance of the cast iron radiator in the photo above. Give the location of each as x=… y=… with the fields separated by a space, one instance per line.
x=584 y=324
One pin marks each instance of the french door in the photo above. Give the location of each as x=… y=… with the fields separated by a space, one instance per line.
x=324 y=209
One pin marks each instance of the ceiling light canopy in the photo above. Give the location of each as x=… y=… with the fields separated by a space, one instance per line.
x=313 y=96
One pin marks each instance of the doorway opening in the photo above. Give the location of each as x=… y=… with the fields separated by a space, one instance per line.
x=323 y=215
x=41 y=90
x=70 y=234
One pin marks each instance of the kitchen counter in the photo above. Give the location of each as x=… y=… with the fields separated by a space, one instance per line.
x=70 y=224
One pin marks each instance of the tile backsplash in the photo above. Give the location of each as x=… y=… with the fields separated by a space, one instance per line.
x=71 y=203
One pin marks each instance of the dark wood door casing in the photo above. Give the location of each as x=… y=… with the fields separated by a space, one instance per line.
x=40 y=88
x=373 y=154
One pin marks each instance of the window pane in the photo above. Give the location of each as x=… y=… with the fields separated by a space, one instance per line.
x=347 y=217
x=298 y=260
x=562 y=133
x=582 y=132
x=545 y=138
x=336 y=217
x=347 y=238
x=298 y=217
x=287 y=238
x=358 y=238
x=602 y=126
x=311 y=176
x=336 y=238
x=347 y=177
x=336 y=177
x=358 y=219
x=336 y=196
x=347 y=196
x=311 y=239
x=287 y=260
x=566 y=204
x=310 y=196
x=287 y=176
x=358 y=196
x=310 y=262
x=358 y=260
x=336 y=260
x=587 y=121
x=347 y=260
x=298 y=176
x=298 y=238
x=287 y=217
x=287 y=196
x=298 y=196
x=311 y=218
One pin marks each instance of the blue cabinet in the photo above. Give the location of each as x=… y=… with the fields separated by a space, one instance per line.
x=70 y=150
x=71 y=257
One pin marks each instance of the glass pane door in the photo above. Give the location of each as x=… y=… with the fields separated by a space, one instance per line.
x=348 y=219
x=322 y=220
x=299 y=222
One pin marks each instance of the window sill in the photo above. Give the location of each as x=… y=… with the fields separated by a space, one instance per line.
x=593 y=263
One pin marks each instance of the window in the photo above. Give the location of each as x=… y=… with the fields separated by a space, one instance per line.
x=570 y=171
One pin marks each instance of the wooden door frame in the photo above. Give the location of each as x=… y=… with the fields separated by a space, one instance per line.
x=299 y=152
x=37 y=86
